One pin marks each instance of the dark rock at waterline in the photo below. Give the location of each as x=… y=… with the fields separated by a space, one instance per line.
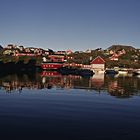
x=20 y=66
x=75 y=71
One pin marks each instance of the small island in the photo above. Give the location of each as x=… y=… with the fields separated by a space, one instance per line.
x=20 y=58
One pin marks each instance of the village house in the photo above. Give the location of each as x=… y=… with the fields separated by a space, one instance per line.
x=21 y=48
x=64 y=52
x=98 y=64
x=69 y=52
x=56 y=58
x=115 y=55
x=61 y=52
x=31 y=51
x=11 y=46
x=111 y=52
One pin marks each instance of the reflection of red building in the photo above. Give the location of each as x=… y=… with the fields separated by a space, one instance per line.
x=97 y=80
x=51 y=65
x=50 y=73
x=116 y=90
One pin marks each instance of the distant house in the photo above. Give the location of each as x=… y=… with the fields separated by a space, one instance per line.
x=111 y=52
x=21 y=48
x=69 y=52
x=56 y=58
x=60 y=52
x=114 y=57
x=11 y=46
x=64 y=52
x=98 y=64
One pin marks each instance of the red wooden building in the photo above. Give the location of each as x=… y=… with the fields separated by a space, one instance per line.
x=98 y=64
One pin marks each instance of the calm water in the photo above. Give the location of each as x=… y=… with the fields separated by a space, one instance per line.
x=69 y=107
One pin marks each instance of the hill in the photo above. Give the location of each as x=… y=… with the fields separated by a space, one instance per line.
x=120 y=47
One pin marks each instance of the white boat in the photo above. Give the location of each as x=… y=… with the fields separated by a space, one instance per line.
x=136 y=72
x=123 y=71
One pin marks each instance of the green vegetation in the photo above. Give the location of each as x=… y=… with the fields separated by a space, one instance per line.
x=15 y=59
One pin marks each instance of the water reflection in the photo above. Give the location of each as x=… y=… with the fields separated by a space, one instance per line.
x=122 y=87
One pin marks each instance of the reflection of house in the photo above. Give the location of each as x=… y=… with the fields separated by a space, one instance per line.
x=50 y=73
x=97 y=81
x=115 y=90
x=98 y=64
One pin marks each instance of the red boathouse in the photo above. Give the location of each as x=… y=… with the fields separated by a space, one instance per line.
x=98 y=64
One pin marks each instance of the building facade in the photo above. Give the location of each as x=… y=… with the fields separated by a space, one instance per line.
x=98 y=64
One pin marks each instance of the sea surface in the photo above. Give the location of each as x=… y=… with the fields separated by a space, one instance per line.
x=56 y=107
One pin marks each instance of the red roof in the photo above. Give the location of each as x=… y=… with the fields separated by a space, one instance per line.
x=98 y=60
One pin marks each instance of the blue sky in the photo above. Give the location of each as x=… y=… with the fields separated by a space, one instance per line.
x=70 y=24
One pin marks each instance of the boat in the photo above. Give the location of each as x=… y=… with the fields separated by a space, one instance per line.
x=136 y=72
x=111 y=71
x=85 y=72
x=123 y=71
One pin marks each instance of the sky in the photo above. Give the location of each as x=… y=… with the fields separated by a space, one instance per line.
x=70 y=24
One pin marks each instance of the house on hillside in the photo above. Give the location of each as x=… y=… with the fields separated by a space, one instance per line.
x=114 y=57
x=61 y=52
x=11 y=46
x=69 y=52
x=98 y=64
x=56 y=58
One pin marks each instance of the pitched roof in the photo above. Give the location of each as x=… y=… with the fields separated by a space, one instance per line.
x=98 y=60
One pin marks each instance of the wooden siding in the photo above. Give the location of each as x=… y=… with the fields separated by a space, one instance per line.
x=98 y=60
